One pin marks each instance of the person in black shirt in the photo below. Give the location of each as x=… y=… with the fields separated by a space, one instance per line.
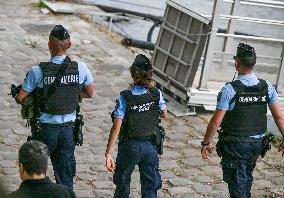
x=33 y=162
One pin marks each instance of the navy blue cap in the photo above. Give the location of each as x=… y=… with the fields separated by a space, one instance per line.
x=244 y=50
x=142 y=62
x=60 y=33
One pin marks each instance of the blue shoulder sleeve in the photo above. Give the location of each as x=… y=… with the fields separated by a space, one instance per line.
x=224 y=97
x=272 y=93
x=120 y=108
x=162 y=103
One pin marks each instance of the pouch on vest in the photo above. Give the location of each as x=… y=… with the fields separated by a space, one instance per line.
x=28 y=107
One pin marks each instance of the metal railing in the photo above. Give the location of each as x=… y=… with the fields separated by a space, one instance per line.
x=230 y=34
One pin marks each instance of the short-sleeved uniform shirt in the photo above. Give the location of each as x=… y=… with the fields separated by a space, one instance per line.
x=34 y=79
x=120 y=108
x=227 y=93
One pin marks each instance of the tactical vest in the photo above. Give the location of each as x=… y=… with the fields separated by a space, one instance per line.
x=248 y=116
x=65 y=97
x=142 y=113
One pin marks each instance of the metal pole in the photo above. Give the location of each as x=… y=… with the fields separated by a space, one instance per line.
x=231 y=26
x=210 y=46
x=281 y=72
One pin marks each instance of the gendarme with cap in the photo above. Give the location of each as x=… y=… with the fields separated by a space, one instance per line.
x=248 y=117
x=64 y=98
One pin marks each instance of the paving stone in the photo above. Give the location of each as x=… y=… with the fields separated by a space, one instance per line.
x=103 y=184
x=202 y=188
x=6 y=124
x=103 y=176
x=10 y=140
x=103 y=193
x=278 y=180
x=82 y=185
x=10 y=155
x=7 y=163
x=260 y=184
x=187 y=172
x=167 y=165
x=191 y=153
x=22 y=131
x=194 y=162
x=174 y=191
x=85 y=176
x=167 y=174
x=269 y=174
x=98 y=168
x=219 y=194
x=221 y=187
x=180 y=182
x=10 y=171
x=195 y=143
x=176 y=136
x=83 y=193
x=204 y=179
x=171 y=155
x=214 y=170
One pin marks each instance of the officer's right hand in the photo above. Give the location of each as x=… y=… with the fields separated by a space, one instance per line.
x=205 y=150
x=110 y=163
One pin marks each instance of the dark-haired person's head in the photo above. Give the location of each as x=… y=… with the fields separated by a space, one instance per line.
x=33 y=160
x=59 y=41
x=141 y=71
x=245 y=56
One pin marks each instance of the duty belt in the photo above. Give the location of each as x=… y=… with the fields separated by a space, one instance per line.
x=65 y=124
x=239 y=139
x=139 y=138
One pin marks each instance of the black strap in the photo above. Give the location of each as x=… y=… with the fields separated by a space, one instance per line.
x=238 y=88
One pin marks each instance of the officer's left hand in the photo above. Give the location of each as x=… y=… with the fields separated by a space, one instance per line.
x=205 y=150
x=110 y=163
x=281 y=147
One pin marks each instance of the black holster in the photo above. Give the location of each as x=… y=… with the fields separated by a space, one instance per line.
x=219 y=148
x=77 y=130
x=35 y=127
x=158 y=139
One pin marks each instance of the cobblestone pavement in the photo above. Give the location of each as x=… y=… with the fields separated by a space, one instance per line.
x=23 y=42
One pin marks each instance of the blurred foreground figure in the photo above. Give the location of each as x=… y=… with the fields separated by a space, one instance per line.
x=33 y=162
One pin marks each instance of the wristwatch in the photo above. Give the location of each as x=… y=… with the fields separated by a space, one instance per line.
x=205 y=144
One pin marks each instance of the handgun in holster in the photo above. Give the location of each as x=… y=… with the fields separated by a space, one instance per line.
x=266 y=144
x=158 y=139
x=77 y=130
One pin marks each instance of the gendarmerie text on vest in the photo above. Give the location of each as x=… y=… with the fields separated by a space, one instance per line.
x=66 y=79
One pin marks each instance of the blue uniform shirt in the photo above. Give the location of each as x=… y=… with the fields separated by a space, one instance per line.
x=120 y=108
x=34 y=79
x=227 y=92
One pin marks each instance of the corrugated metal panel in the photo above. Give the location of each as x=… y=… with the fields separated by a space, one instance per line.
x=179 y=47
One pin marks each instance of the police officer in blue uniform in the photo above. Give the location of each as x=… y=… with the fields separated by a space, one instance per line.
x=241 y=112
x=59 y=82
x=136 y=119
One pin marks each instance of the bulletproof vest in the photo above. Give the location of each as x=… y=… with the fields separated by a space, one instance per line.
x=248 y=116
x=142 y=113
x=64 y=99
